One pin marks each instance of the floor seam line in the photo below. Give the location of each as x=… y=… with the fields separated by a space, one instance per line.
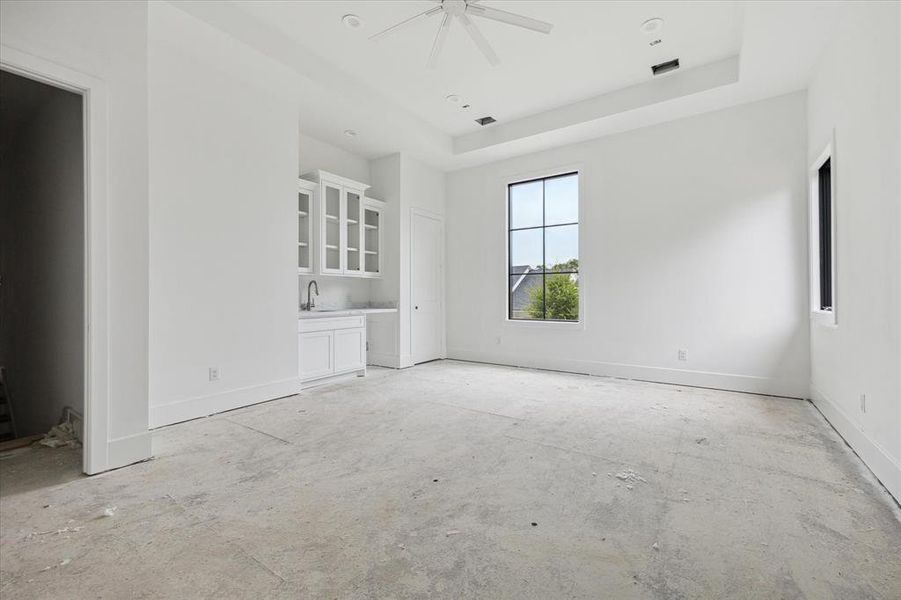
x=275 y=437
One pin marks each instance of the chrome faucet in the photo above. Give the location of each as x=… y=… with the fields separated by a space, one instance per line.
x=310 y=304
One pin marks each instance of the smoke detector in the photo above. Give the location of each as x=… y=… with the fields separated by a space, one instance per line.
x=352 y=21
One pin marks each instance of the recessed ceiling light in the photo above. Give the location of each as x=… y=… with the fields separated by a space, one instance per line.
x=350 y=133
x=453 y=99
x=651 y=26
x=352 y=21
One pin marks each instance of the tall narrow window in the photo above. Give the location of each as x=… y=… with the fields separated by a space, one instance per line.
x=824 y=227
x=543 y=249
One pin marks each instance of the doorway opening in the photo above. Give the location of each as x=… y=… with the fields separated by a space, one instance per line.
x=42 y=264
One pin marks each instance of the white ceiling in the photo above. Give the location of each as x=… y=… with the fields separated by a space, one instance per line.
x=595 y=47
x=594 y=57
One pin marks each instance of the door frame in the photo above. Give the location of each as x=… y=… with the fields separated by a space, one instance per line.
x=96 y=241
x=422 y=212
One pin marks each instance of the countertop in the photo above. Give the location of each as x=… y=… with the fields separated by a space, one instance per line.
x=317 y=313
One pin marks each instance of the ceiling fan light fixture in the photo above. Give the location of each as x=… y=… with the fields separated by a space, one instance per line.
x=462 y=10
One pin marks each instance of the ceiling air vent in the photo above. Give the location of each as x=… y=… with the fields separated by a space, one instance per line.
x=665 y=67
x=486 y=121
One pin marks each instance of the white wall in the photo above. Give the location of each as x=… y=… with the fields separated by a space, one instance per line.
x=223 y=168
x=42 y=333
x=316 y=154
x=108 y=40
x=404 y=183
x=855 y=94
x=334 y=292
x=422 y=187
x=692 y=236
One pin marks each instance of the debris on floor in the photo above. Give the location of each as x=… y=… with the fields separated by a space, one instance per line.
x=60 y=436
x=702 y=441
x=655 y=546
x=53 y=531
x=453 y=532
x=630 y=477
x=110 y=511
x=63 y=563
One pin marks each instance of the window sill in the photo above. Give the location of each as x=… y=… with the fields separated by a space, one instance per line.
x=572 y=325
x=823 y=318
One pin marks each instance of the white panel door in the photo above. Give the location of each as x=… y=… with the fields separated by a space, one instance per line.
x=350 y=349
x=426 y=286
x=316 y=355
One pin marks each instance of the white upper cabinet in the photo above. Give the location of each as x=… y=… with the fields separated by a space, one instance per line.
x=347 y=237
x=372 y=236
x=305 y=194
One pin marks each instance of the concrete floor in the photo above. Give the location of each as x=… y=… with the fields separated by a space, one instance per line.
x=454 y=480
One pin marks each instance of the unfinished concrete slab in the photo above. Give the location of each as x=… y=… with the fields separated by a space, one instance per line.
x=456 y=480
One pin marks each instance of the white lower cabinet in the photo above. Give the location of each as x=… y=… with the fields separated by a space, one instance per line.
x=316 y=354
x=330 y=346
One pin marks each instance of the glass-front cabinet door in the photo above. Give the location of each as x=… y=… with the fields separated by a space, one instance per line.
x=372 y=250
x=353 y=261
x=305 y=226
x=332 y=238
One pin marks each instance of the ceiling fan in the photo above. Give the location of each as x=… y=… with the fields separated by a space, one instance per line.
x=463 y=10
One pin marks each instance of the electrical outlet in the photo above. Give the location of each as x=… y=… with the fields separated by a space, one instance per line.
x=863 y=403
x=214 y=373
x=683 y=354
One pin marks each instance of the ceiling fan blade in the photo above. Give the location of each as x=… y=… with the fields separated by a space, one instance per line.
x=439 y=41
x=405 y=23
x=477 y=10
x=480 y=40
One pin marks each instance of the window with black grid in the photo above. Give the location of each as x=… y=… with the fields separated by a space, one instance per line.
x=543 y=249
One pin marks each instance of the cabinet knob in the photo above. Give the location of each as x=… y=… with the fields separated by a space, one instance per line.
x=416 y=307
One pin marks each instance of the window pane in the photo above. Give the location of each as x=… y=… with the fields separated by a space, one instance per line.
x=525 y=250
x=561 y=204
x=825 y=230
x=525 y=205
x=526 y=296
x=562 y=247
x=562 y=296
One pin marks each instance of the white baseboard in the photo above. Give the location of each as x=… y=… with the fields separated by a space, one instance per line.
x=345 y=376
x=392 y=361
x=884 y=467
x=724 y=381
x=202 y=406
x=128 y=450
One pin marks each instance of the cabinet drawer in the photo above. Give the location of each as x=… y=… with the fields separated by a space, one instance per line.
x=330 y=323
